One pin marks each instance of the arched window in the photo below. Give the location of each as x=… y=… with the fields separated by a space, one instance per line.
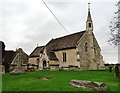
x=37 y=60
x=95 y=50
x=89 y=24
x=86 y=47
x=64 y=56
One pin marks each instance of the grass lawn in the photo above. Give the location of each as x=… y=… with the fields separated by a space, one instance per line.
x=58 y=82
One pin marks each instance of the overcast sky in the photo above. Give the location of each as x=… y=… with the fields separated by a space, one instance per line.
x=26 y=23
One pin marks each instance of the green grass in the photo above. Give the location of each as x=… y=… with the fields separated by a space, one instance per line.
x=58 y=82
x=0 y=83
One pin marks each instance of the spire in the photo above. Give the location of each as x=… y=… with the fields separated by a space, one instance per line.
x=89 y=18
x=89 y=22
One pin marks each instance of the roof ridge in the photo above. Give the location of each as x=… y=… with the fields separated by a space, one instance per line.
x=67 y=35
x=36 y=51
x=40 y=46
x=10 y=51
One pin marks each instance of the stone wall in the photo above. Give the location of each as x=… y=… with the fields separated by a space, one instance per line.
x=72 y=67
x=12 y=67
x=52 y=62
x=71 y=58
x=33 y=60
x=54 y=67
x=84 y=57
x=92 y=58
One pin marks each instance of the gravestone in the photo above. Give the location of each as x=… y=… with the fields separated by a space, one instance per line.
x=19 y=69
x=90 y=85
x=116 y=71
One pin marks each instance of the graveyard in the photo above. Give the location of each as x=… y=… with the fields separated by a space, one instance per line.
x=70 y=54
x=47 y=80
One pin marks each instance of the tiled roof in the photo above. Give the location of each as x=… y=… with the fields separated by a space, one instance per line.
x=66 y=42
x=36 y=51
x=8 y=57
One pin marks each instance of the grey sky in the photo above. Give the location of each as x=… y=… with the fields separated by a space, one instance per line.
x=26 y=23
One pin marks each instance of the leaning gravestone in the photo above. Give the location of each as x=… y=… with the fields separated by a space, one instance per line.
x=96 y=86
x=19 y=69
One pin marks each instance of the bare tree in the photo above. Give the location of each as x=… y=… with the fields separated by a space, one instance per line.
x=115 y=27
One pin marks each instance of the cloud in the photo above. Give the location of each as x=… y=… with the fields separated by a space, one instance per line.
x=26 y=23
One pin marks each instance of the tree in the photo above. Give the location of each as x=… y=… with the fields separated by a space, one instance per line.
x=115 y=27
x=2 y=47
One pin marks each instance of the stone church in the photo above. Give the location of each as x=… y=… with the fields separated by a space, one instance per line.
x=79 y=51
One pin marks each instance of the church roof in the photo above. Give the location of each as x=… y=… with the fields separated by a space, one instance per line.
x=52 y=56
x=24 y=57
x=36 y=51
x=65 y=42
x=8 y=57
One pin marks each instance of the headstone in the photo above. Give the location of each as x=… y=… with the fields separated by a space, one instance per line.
x=116 y=71
x=110 y=68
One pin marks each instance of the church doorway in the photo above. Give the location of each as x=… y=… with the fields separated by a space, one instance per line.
x=44 y=64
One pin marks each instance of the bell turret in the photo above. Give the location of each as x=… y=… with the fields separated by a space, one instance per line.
x=89 y=22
